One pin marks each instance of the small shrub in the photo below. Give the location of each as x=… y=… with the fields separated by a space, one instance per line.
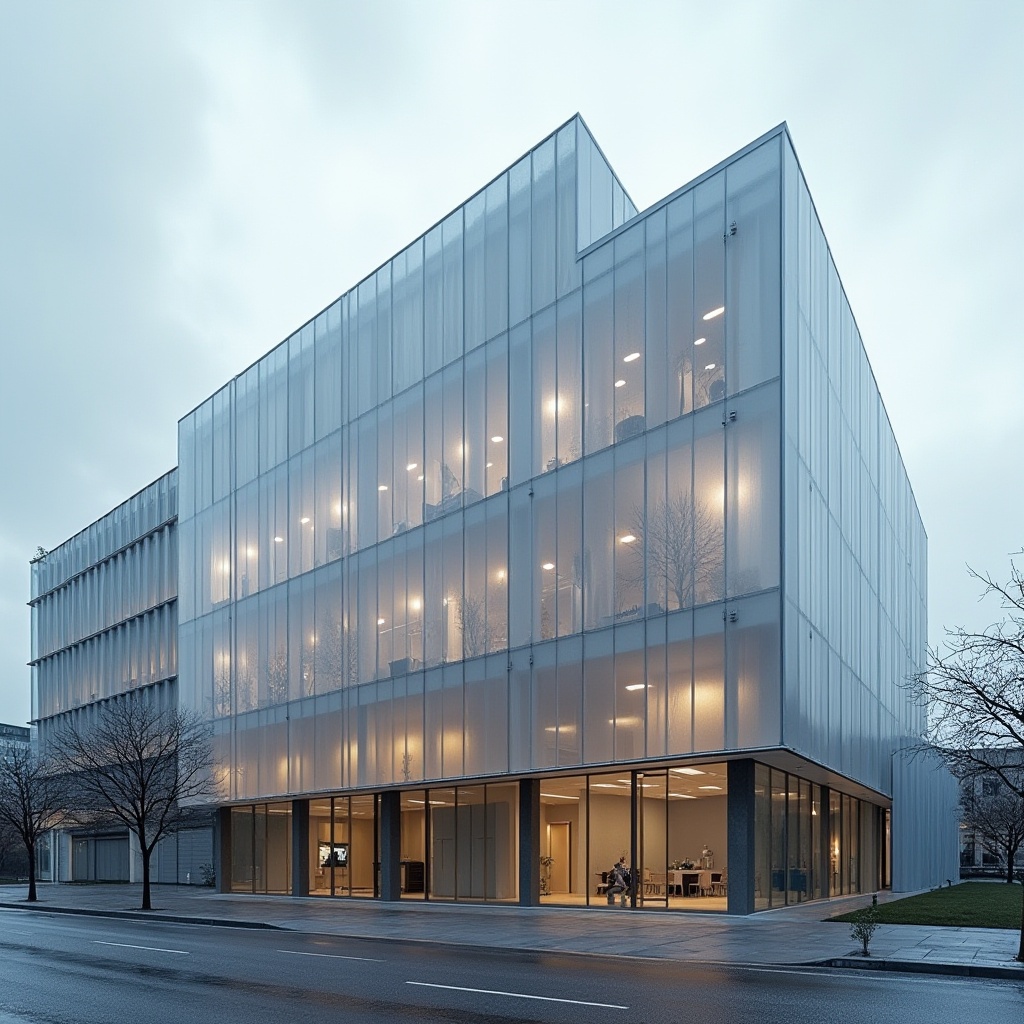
x=863 y=925
x=206 y=873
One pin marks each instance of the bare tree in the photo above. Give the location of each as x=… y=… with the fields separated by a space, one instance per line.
x=137 y=764
x=973 y=693
x=996 y=817
x=682 y=541
x=33 y=800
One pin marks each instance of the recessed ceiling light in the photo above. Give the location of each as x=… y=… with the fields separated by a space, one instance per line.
x=420 y=477
x=382 y=487
x=548 y=565
x=685 y=796
x=304 y=520
x=497 y=439
x=709 y=787
x=279 y=540
x=627 y=539
x=415 y=604
x=700 y=341
x=489 y=464
x=620 y=383
x=411 y=466
x=710 y=366
x=688 y=771
x=631 y=357
x=637 y=686
x=380 y=622
x=559 y=796
x=715 y=312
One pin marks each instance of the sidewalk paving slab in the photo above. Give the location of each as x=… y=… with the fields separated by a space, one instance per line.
x=789 y=936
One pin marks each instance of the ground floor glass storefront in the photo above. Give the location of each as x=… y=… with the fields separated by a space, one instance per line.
x=555 y=840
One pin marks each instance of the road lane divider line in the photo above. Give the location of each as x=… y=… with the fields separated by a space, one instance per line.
x=517 y=995
x=333 y=956
x=154 y=949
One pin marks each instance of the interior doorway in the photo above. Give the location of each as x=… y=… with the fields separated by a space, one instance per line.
x=560 y=852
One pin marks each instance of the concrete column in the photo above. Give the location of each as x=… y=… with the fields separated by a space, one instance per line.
x=300 y=847
x=390 y=845
x=740 y=815
x=529 y=842
x=222 y=848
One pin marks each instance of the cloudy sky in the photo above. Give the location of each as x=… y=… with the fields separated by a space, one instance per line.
x=183 y=184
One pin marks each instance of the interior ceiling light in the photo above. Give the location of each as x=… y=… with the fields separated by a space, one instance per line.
x=685 y=796
x=382 y=487
x=420 y=477
x=637 y=686
x=548 y=565
x=279 y=540
x=304 y=520
x=380 y=622
x=489 y=465
x=559 y=796
x=710 y=366
x=620 y=383
x=709 y=787
x=497 y=439
x=411 y=466
x=631 y=357
x=715 y=312
x=688 y=771
x=700 y=341
x=627 y=538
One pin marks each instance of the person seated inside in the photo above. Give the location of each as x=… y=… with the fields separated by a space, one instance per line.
x=619 y=881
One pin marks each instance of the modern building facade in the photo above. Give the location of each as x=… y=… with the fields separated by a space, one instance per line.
x=14 y=737
x=570 y=532
x=105 y=622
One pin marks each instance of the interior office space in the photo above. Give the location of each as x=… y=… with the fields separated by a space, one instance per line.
x=571 y=532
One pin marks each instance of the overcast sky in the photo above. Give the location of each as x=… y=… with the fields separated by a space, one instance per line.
x=182 y=185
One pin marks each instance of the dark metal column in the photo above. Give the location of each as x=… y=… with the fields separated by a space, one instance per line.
x=300 y=847
x=529 y=842
x=391 y=845
x=222 y=849
x=740 y=814
x=825 y=838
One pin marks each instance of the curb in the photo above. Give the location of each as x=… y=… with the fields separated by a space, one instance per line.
x=926 y=967
x=143 y=915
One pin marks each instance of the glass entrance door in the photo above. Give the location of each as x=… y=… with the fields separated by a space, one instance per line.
x=652 y=789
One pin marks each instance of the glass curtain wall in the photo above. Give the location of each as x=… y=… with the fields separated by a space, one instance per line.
x=792 y=821
x=261 y=847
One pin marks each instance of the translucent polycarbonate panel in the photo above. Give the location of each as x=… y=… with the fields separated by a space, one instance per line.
x=710 y=314
x=568 y=268
x=685 y=341
x=545 y=236
x=300 y=389
x=598 y=697
x=328 y=407
x=519 y=241
x=407 y=317
x=753 y=707
x=598 y=363
x=753 y=267
x=854 y=547
x=475 y=295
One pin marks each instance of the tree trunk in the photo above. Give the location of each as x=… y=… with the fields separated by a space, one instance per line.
x=146 y=851
x=30 y=849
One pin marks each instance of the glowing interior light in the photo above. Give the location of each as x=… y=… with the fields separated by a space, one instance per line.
x=415 y=604
x=620 y=383
x=497 y=439
x=501 y=574
x=637 y=686
x=411 y=466
x=688 y=771
x=380 y=622
x=710 y=366
x=700 y=341
x=627 y=539
x=489 y=465
x=420 y=477
x=548 y=565
x=382 y=487
x=279 y=540
x=715 y=312
x=709 y=787
x=631 y=357
x=304 y=520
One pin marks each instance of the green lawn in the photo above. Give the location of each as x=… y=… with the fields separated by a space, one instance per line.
x=968 y=905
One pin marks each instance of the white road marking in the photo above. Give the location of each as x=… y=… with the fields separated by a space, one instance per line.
x=333 y=956
x=154 y=949
x=517 y=995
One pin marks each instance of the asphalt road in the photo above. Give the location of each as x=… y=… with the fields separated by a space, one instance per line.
x=80 y=970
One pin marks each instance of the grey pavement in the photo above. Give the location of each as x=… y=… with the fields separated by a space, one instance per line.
x=792 y=935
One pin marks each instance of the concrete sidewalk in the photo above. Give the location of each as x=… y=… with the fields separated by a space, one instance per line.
x=793 y=935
